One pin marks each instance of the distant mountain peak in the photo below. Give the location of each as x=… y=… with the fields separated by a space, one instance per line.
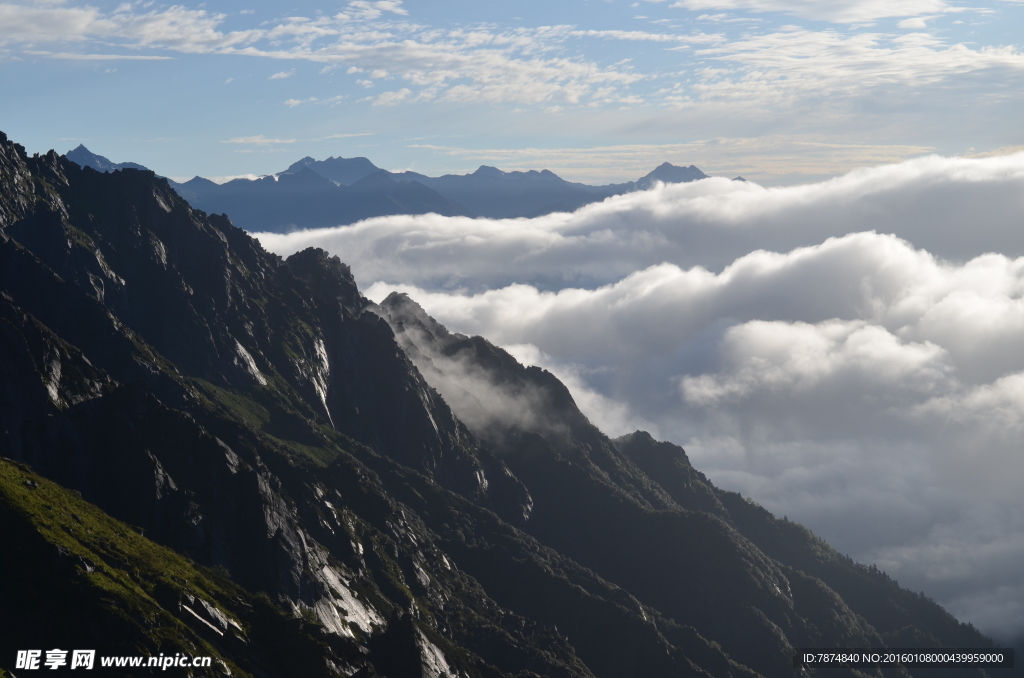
x=488 y=171
x=83 y=157
x=198 y=180
x=668 y=173
x=340 y=170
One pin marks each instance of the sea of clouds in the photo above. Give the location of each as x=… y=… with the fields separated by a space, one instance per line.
x=848 y=353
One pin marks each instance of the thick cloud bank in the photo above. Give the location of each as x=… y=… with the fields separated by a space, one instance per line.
x=849 y=354
x=955 y=208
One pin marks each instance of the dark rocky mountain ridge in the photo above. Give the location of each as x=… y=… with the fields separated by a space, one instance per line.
x=271 y=466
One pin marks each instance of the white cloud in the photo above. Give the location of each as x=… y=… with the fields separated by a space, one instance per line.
x=282 y=75
x=458 y=65
x=644 y=36
x=75 y=56
x=177 y=28
x=528 y=66
x=484 y=67
x=916 y=22
x=725 y=18
x=373 y=10
x=815 y=381
x=763 y=357
x=21 y=23
x=795 y=63
x=708 y=223
x=868 y=384
x=331 y=101
x=392 y=98
x=836 y=11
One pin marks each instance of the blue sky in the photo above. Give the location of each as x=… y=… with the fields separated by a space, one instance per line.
x=779 y=91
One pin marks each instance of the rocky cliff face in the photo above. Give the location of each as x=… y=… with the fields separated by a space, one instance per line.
x=400 y=499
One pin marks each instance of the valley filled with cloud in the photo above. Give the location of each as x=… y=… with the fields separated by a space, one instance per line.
x=848 y=353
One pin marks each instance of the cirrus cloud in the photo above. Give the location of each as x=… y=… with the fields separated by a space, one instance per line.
x=487 y=65
x=837 y=11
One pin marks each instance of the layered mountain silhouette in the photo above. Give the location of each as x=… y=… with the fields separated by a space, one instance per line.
x=490 y=192
x=337 y=191
x=212 y=450
x=305 y=199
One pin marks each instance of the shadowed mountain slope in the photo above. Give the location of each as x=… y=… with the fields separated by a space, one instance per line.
x=377 y=494
x=753 y=581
